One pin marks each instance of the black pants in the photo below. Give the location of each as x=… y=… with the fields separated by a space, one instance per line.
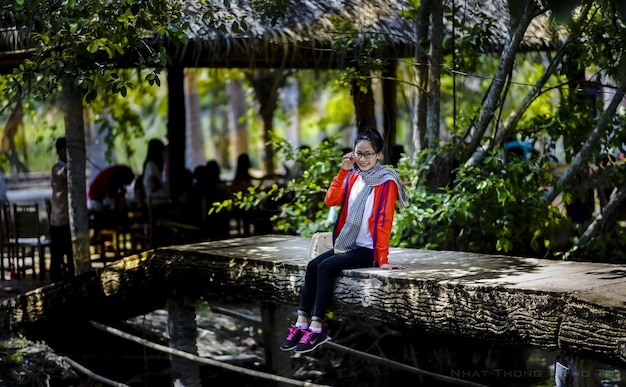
x=319 y=280
x=60 y=247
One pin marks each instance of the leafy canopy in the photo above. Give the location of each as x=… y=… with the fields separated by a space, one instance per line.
x=89 y=40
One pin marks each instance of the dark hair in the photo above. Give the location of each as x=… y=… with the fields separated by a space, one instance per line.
x=371 y=135
x=213 y=171
x=155 y=153
x=243 y=165
x=60 y=144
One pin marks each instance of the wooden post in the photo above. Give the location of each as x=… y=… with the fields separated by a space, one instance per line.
x=183 y=331
x=575 y=371
x=364 y=105
x=276 y=324
x=390 y=109
x=176 y=130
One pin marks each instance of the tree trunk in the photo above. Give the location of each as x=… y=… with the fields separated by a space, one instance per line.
x=390 y=108
x=512 y=300
x=195 y=139
x=77 y=187
x=364 y=106
x=176 y=125
x=222 y=141
x=429 y=101
x=236 y=122
x=290 y=101
x=183 y=332
x=605 y=219
x=218 y=131
x=590 y=145
x=434 y=77
x=439 y=174
x=421 y=70
x=266 y=85
x=11 y=129
x=493 y=98
x=96 y=149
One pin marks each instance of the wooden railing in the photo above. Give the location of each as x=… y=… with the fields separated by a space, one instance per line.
x=27 y=180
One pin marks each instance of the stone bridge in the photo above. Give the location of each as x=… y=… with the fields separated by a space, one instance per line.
x=573 y=307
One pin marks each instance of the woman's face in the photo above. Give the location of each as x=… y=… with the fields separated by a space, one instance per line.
x=366 y=155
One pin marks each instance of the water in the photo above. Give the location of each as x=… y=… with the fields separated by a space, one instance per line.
x=479 y=361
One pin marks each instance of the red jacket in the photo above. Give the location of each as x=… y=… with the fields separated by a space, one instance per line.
x=380 y=222
x=109 y=181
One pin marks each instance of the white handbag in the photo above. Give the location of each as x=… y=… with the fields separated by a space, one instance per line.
x=320 y=242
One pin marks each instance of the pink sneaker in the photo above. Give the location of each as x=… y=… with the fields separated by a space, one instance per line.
x=293 y=338
x=310 y=340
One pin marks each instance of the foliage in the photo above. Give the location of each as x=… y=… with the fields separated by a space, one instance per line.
x=365 y=60
x=88 y=40
x=28 y=363
x=497 y=208
x=609 y=247
x=604 y=42
x=272 y=10
x=33 y=144
x=466 y=48
x=300 y=201
x=118 y=118
x=12 y=353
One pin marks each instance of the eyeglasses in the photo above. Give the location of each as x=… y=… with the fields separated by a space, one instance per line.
x=367 y=155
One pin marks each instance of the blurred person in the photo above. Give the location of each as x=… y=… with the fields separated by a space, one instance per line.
x=242 y=179
x=209 y=188
x=152 y=174
x=60 y=235
x=241 y=182
x=108 y=188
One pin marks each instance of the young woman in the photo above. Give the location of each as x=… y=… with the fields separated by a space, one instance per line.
x=367 y=192
x=152 y=174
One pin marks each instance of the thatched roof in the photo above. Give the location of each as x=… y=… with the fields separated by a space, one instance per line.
x=305 y=36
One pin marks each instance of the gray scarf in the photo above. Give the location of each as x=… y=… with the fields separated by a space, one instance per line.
x=375 y=176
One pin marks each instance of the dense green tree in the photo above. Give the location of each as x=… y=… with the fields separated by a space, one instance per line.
x=79 y=45
x=581 y=41
x=465 y=195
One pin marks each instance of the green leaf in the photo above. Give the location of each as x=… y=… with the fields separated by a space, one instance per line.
x=93 y=47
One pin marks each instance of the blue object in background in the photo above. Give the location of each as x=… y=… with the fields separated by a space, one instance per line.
x=520 y=148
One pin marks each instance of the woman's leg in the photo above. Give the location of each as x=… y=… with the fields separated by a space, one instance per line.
x=307 y=298
x=309 y=287
x=327 y=272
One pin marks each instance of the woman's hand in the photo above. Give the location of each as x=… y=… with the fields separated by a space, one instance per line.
x=348 y=161
x=388 y=266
